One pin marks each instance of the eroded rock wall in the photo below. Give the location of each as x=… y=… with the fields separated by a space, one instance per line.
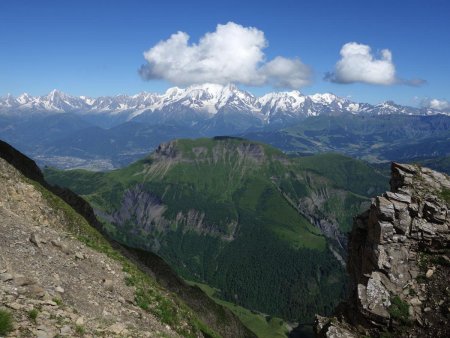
x=398 y=262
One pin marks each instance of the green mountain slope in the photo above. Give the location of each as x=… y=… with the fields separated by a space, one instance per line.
x=239 y=216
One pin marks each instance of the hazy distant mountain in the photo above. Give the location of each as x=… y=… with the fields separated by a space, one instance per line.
x=394 y=137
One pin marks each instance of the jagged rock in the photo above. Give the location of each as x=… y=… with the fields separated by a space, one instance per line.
x=79 y=255
x=327 y=328
x=4 y=277
x=117 y=328
x=79 y=321
x=434 y=212
x=398 y=197
x=339 y=332
x=35 y=239
x=44 y=334
x=63 y=247
x=382 y=232
x=108 y=284
x=14 y=306
x=36 y=291
x=385 y=209
x=387 y=249
x=21 y=280
x=415 y=301
x=374 y=298
x=66 y=330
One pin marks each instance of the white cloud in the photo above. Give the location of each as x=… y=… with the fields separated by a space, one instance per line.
x=232 y=53
x=357 y=64
x=437 y=104
x=286 y=73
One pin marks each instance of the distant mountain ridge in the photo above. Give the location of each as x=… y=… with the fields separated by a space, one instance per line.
x=200 y=102
x=109 y=132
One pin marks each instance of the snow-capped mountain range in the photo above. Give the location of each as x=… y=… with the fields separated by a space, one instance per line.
x=200 y=102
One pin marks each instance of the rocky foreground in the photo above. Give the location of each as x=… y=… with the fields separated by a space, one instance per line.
x=399 y=262
x=53 y=284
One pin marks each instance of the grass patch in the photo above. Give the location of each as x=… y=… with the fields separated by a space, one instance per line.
x=399 y=310
x=58 y=301
x=445 y=194
x=32 y=314
x=80 y=330
x=6 y=322
x=423 y=261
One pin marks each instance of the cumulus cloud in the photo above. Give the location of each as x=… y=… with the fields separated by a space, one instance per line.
x=286 y=73
x=232 y=53
x=436 y=104
x=359 y=64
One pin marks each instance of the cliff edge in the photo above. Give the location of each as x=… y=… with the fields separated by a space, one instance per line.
x=398 y=262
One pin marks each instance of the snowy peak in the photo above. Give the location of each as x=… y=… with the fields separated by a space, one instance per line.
x=24 y=98
x=200 y=102
x=207 y=98
x=282 y=106
x=326 y=98
x=390 y=107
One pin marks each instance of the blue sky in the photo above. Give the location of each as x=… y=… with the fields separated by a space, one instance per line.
x=96 y=47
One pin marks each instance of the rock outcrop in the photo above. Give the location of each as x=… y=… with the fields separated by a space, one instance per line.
x=398 y=262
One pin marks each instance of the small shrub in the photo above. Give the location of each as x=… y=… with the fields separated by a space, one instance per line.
x=399 y=310
x=129 y=281
x=166 y=312
x=6 y=322
x=58 y=301
x=32 y=314
x=445 y=194
x=80 y=330
x=142 y=300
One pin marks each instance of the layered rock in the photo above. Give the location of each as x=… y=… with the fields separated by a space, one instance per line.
x=399 y=262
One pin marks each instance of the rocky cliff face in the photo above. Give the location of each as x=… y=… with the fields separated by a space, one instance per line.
x=139 y=206
x=399 y=262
